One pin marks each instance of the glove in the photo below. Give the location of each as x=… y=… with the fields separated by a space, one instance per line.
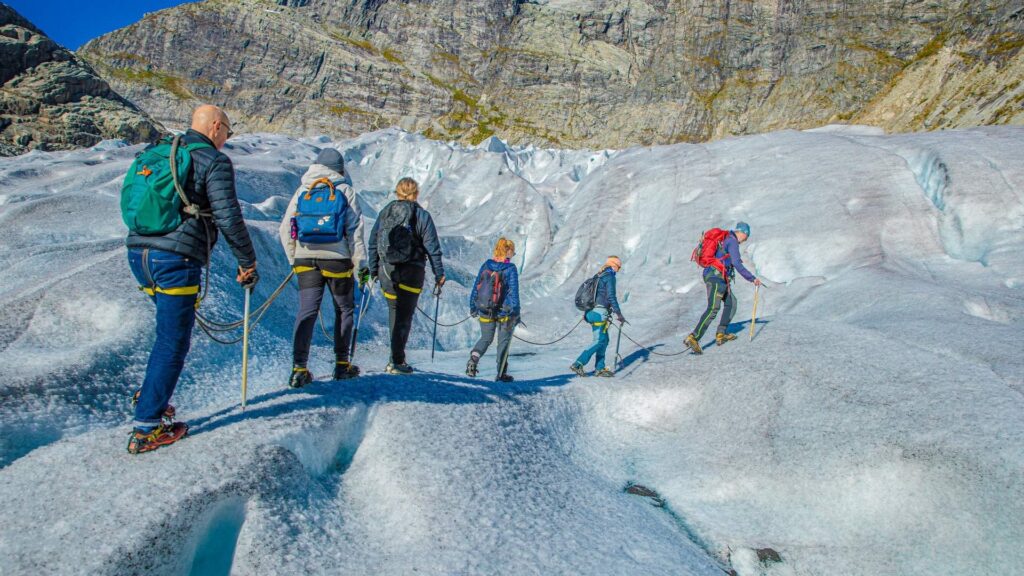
x=620 y=318
x=440 y=281
x=364 y=277
x=757 y=282
x=248 y=277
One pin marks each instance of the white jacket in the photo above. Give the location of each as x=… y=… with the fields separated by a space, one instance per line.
x=351 y=247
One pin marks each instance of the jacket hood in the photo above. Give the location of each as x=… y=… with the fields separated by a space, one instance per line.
x=318 y=171
x=498 y=266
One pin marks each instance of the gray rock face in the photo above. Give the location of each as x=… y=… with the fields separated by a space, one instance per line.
x=52 y=100
x=597 y=73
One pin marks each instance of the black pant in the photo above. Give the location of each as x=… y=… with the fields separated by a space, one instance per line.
x=402 y=284
x=313 y=276
x=503 y=327
x=718 y=291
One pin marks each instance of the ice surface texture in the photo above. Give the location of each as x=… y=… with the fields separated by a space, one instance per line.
x=875 y=425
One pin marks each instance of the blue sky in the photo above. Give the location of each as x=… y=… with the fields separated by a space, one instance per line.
x=74 y=22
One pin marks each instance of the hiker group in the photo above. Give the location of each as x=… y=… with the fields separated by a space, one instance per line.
x=179 y=195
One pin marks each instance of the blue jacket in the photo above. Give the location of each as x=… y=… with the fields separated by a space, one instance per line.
x=729 y=253
x=606 y=291
x=510 y=277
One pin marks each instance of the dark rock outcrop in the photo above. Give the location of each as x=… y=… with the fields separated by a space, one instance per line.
x=52 y=100
x=598 y=73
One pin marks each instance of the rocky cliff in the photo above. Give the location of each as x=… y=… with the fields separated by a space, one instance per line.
x=51 y=100
x=598 y=73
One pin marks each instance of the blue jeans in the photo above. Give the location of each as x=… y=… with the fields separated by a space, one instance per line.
x=172 y=283
x=599 y=324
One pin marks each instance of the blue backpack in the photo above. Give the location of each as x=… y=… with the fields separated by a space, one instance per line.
x=320 y=214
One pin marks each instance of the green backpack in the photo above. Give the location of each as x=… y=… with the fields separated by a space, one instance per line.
x=152 y=199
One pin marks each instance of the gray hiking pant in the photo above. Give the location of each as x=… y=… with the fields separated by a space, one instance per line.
x=314 y=275
x=503 y=327
x=718 y=292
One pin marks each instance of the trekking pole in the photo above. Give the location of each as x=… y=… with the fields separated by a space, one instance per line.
x=753 y=315
x=437 y=308
x=245 y=346
x=618 y=340
x=364 y=303
x=508 y=350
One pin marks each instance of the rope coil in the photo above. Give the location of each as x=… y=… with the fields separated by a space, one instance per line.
x=211 y=328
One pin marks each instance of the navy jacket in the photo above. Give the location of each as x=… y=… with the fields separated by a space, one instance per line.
x=211 y=186
x=729 y=253
x=430 y=245
x=510 y=278
x=606 y=291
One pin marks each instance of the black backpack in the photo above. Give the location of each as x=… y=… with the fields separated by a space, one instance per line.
x=586 y=294
x=396 y=237
x=490 y=293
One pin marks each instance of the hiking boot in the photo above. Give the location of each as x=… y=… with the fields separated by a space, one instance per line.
x=723 y=337
x=300 y=377
x=471 y=370
x=169 y=412
x=140 y=441
x=692 y=344
x=604 y=373
x=345 y=370
x=504 y=378
x=401 y=368
x=578 y=369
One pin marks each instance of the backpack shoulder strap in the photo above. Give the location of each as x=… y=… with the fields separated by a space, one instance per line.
x=190 y=208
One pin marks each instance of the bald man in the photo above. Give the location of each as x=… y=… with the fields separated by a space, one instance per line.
x=169 y=266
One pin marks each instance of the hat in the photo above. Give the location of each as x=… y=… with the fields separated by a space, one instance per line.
x=332 y=159
x=613 y=261
x=743 y=227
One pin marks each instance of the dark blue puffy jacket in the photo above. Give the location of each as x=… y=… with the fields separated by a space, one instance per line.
x=211 y=186
x=510 y=278
x=606 y=291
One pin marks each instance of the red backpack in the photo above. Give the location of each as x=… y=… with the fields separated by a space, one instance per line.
x=704 y=253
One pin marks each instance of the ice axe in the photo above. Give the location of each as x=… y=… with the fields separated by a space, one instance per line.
x=618 y=341
x=437 y=309
x=245 y=345
x=753 y=314
x=364 y=303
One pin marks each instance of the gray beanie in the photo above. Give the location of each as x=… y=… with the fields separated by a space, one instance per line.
x=332 y=159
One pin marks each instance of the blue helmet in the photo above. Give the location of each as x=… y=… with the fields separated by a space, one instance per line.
x=743 y=227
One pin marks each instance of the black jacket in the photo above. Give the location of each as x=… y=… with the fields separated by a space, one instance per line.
x=430 y=245
x=211 y=186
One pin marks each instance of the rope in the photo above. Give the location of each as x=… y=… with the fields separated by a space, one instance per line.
x=320 y=320
x=648 y=348
x=564 y=336
x=228 y=326
x=362 y=310
x=442 y=324
x=210 y=328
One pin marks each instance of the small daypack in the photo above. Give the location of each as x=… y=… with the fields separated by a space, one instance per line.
x=152 y=199
x=586 y=294
x=490 y=293
x=707 y=248
x=320 y=214
x=396 y=240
